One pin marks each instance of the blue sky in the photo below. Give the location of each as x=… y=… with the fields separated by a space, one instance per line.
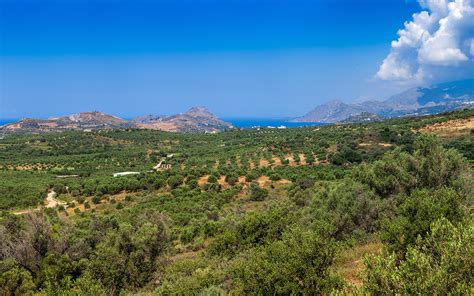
x=240 y=58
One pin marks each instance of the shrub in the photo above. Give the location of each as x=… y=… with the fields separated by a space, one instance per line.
x=14 y=279
x=440 y=264
x=255 y=229
x=430 y=166
x=232 y=179
x=275 y=176
x=175 y=181
x=348 y=206
x=59 y=189
x=415 y=214
x=305 y=182
x=80 y=199
x=257 y=193
x=212 y=179
x=296 y=265
x=96 y=200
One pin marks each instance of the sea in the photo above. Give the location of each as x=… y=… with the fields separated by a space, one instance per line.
x=267 y=122
x=7 y=121
x=237 y=122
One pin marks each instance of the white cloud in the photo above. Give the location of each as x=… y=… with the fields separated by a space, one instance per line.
x=437 y=39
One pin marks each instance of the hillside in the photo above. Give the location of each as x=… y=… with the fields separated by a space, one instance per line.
x=196 y=119
x=362 y=117
x=79 y=121
x=434 y=99
x=266 y=212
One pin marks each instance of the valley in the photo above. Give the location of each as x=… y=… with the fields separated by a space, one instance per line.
x=228 y=148
x=219 y=201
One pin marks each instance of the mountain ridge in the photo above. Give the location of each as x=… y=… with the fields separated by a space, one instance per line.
x=196 y=119
x=441 y=97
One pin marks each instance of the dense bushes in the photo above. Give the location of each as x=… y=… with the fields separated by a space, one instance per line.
x=399 y=172
x=297 y=264
x=14 y=279
x=349 y=207
x=253 y=230
x=257 y=193
x=118 y=255
x=346 y=154
x=416 y=212
x=439 y=264
x=428 y=248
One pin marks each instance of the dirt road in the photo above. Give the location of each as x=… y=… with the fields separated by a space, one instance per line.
x=51 y=202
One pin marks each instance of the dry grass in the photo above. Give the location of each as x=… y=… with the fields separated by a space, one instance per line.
x=372 y=144
x=349 y=263
x=302 y=159
x=291 y=161
x=276 y=161
x=264 y=163
x=263 y=181
x=103 y=205
x=222 y=182
x=283 y=182
x=252 y=165
x=203 y=180
x=451 y=128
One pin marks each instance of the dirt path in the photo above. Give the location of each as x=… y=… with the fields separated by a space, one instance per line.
x=51 y=202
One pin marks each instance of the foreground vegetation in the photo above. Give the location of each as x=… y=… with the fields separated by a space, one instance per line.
x=378 y=208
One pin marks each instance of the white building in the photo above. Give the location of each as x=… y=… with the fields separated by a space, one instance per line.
x=121 y=174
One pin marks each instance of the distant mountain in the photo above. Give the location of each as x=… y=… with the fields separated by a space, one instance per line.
x=362 y=117
x=332 y=111
x=79 y=121
x=147 y=119
x=416 y=101
x=196 y=119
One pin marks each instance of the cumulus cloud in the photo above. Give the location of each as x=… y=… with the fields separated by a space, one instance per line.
x=440 y=37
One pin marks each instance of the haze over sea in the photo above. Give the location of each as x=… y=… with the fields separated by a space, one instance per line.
x=266 y=122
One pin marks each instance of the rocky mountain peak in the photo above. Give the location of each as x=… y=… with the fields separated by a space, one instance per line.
x=199 y=111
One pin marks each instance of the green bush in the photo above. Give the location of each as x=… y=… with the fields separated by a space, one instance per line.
x=14 y=279
x=440 y=264
x=257 y=193
x=349 y=207
x=415 y=214
x=174 y=181
x=231 y=179
x=96 y=199
x=430 y=166
x=212 y=179
x=296 y=265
